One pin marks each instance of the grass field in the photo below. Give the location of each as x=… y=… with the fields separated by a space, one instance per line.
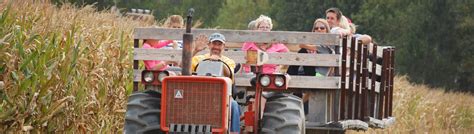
x=420 y=109
x=69 y=69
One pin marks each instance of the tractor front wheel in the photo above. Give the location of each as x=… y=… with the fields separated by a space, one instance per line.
x=143 y=113
x=283 y=114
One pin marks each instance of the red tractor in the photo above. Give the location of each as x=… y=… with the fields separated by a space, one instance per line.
x=177 y=101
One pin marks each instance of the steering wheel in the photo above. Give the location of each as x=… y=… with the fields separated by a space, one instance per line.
x=218 y=60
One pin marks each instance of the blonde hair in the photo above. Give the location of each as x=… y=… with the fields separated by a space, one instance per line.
x=251 y=25
x=174 y=19
x=263 y=19
x=324 y=22
x=344 y=23
x=353 y=28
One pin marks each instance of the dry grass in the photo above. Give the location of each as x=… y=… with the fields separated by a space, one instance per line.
x=419 y=109
x=68 y=69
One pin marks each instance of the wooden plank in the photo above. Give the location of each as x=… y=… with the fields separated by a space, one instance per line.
x=323 y=129
x=307 y=82
x=369 y=82
x=290 y=58
x=351 y=80
x=382 y=96
x=376 y=85
x=314 y=82
x=392 y=75
x=318 y=106
x=136 y=43
x=187 y=52
x=237 y=46
x=378 y=68
x=332 y=105
x=316 y=128
x=358 y=80
x=323 y=60
x=372 y=84
x=342 y=102
x=240 y=36
x=379 y=55
x=298 y=82
x=387 y=61
x=380 y=50
x=364 y=87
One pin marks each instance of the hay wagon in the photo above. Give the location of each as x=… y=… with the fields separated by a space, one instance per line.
x=359 y=96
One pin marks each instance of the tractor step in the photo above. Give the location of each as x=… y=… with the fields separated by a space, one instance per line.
x=324 y=130
x=189 y=129
x=336 y=127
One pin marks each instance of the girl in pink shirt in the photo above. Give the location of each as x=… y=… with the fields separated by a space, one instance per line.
x=174 y=21
x=156 y=64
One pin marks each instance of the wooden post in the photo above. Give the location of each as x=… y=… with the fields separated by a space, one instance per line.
x=351 y=80
x=373 y=80
x=342 y=103
x=382 y=85
x=258 y=100
x=364 y=82
x=392 y=75
x=358 y=79
x=135 y=63
x=188 y=45
x=387 y=84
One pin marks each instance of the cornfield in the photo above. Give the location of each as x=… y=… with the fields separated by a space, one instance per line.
x=68 y=69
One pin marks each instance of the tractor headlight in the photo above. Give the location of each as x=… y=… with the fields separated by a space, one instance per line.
x=148 y=77
x=162 y=75
x=279 y=81
x=265 y=80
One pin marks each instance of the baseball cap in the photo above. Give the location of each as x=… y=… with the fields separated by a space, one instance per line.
x=217 y=37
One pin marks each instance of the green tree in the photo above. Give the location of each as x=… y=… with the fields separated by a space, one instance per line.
x=299 y=15
x=463 y=15
x=431 y=40
x=236 y=14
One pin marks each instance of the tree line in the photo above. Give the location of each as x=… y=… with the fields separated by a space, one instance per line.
x=433 y=38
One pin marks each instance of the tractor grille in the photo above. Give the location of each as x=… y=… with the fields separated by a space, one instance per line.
x=200 y=102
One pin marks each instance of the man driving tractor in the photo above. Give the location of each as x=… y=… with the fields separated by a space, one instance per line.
x=216 y=46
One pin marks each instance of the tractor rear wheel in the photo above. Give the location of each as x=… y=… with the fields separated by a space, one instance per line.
x=283 y=114
x=143 y=113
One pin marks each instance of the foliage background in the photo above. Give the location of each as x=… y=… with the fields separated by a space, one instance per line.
x=433 y=37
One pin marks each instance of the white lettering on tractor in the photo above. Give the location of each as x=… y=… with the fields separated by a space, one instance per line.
x=178 y=94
